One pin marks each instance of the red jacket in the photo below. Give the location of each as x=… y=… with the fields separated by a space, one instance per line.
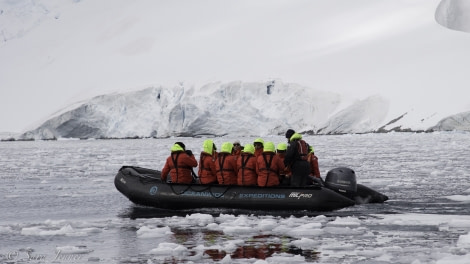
x=226 y=168
x=207 y=172
x=182 y=172
x=246 y=167
x=258 y=152
x=268 y=175
x=314 y=168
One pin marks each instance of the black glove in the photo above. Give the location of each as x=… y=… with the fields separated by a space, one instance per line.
x=189 y=152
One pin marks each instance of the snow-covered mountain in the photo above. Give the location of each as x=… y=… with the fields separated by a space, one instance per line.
x=236 y=108
x=454 y=14
x=358 y=66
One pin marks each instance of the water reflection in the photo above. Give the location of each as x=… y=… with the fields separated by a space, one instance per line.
x=254 y=247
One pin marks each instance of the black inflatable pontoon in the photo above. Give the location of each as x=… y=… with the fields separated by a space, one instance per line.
x=144 y=187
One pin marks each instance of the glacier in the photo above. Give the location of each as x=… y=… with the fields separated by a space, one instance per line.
x=235 y=108
x=357 y=67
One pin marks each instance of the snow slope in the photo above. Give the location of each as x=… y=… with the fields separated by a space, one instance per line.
x=55 y=53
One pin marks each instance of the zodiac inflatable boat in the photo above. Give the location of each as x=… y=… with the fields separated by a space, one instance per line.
x=144 y=187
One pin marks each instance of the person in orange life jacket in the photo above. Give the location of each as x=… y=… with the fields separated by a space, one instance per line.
x=296 y=160
x=258 y=143
x=226 y=165
x=237 y=149
x=313 y=160
x=268 y=166
x=179 y=165
x=207 y=172
x=246 y=166
x=281 y=153
x=314 y=177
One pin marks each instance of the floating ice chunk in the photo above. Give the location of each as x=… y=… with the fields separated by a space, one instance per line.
x=237 y=225
x=201 y=219
x=169 y=249
x=73 y=250
x=310 y=229
x=459 y=198
x=55 y=222
x=227 y=259
x=237 y=230
x=454 y=259
x=459 y=223
x=213 y=226
x=267 y=224
x=370 y=253
x=147 y=232
x=285 y=258
x=222 y=218
x=345 y=221
x=419 y=219
x=232 y=245
x=464 y=241
x=344 y=230
x=349 y=247
x=67 y=230
x=385 y=258
x=5 y=230
x=305 y=243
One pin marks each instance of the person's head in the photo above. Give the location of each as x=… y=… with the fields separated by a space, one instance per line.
x=208 y=146
x=226 y=147
x=269 y=147
x=311 y=149
x=289 y=133
x=249 y=148
x=237 y=145
x=181 y=145
x=176 y=147
x=258 y=143
x=281 y=147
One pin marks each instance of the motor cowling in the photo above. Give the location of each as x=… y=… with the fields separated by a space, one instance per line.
x=342 y=180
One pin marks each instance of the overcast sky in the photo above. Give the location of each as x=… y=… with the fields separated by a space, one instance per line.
x=57 y=52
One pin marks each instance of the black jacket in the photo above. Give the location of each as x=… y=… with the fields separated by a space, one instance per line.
x=292 y=153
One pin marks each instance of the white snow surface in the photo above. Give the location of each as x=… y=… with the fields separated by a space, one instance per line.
x=378 y=59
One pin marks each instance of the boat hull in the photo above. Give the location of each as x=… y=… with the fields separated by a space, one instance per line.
x=143 y=186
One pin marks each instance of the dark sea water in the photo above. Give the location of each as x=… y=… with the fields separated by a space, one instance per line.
x=58 y=204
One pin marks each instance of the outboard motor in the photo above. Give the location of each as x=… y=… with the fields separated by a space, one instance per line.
x=343 y=181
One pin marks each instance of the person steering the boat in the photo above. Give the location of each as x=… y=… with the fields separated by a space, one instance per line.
x=296 y=159
x=179 y=165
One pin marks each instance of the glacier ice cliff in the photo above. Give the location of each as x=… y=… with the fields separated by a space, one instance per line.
x=215 y=109
x=218 y=109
